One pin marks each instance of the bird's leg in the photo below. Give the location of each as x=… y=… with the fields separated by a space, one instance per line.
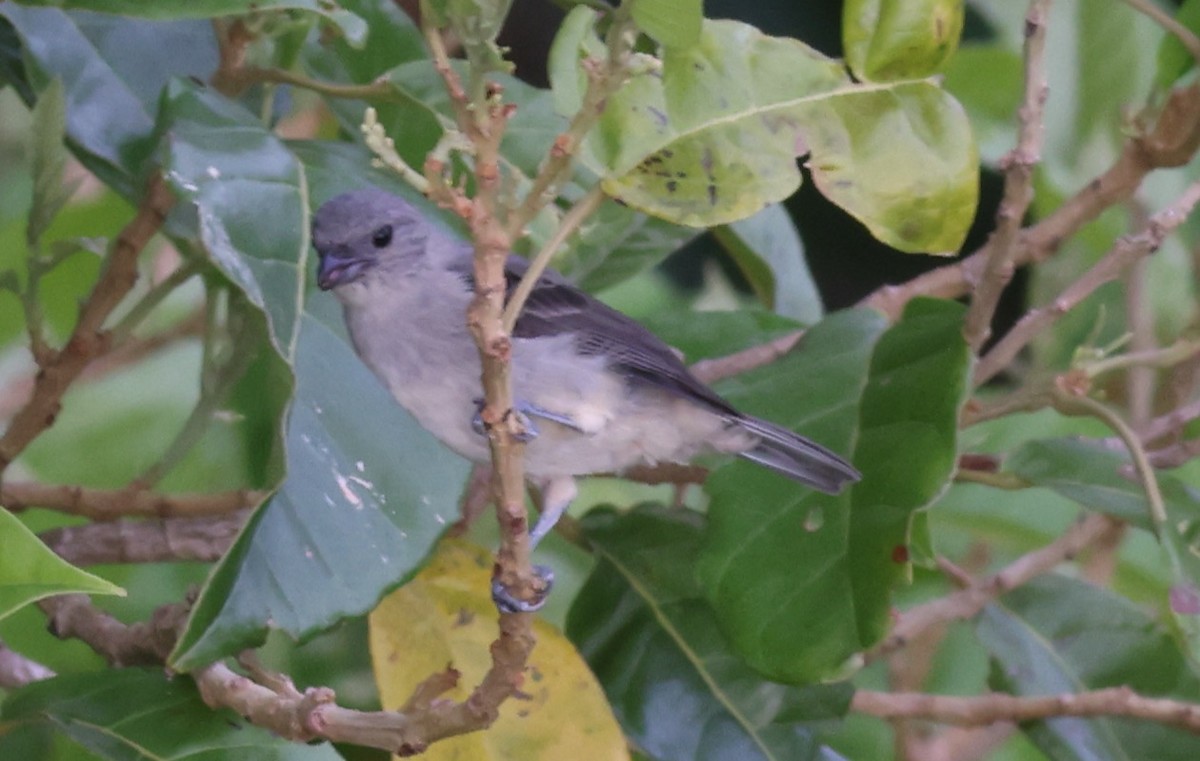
x=557 y=495
x=525 y=412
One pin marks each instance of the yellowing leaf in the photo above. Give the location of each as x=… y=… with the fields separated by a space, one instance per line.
x=445 y=616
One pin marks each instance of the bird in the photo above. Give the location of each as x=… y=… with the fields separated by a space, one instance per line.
x=595 y=390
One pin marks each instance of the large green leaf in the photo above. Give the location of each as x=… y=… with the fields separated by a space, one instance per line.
x=675 y=23
x=1057 y=635
x=768 y=249
x=350 y=25
x=113 y=70
x=250 y=197
x=674 y=684
x=886 y=41
x=801 y=581
x=367 y=493
x=713 y=137
x=30 y=571
x=141 y=715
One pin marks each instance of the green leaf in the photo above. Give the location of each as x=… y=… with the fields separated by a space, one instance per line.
x=701 y=335
x=135 y=714
x=674 y=684
x=714 y=137
x=250 y=197
x=367 y=493
x=1095 y=476
x=1174 y=60
x=886 y=41
x=49 y=158
x=769 y=252
x=674 y=23
x=351 y=26
x=30 y=571
x=476 y=24
x=801 y=581
x=113 y=70
x=1057 y=635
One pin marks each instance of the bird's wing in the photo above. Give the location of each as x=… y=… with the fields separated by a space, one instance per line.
x=555 y=307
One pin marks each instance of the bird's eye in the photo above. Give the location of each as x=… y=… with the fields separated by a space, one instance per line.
x=382 y=237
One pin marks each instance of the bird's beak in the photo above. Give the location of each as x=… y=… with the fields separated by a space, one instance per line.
x=338 y=267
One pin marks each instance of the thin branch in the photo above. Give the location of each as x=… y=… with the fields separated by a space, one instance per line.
x=1168 y=22
x=1166 y=356
x=146 y=643
x=1018 y=167
x=17 y=671
x=154 y=297
x=966 y=603
x=378 y=90
x=157 y=540
x=998 y=707
x=108 y=504
x=1172 y=142
x=719 y=368
x=1172 y=422
x=1124 y=252
x=89 y=340
x=578 y=214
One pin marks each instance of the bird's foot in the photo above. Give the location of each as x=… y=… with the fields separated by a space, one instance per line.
x=506 y=602
x=524 y=413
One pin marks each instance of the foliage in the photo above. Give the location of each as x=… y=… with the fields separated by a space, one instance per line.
x=182 y=406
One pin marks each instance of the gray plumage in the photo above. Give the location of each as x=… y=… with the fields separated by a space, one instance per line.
x=604 y=393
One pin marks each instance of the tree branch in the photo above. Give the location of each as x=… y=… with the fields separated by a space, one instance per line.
x=1124 y=252
x=89 y=339
x=108 y=504
x=998 y=707
x=148 y=541
x=1018 y=167
x=966 y=603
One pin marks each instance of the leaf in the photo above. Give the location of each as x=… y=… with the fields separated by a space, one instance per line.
x=1174 y=60
x=367 y=493
x=128 y=714
x=49 y=158
x=714 y=137
x=675 y=685
x=113 y=70
x=250 y=197
x=886 y=41
x=703 y=335
x=1094 y=475
x=1057 y=635
x=446 y=616
x=30 y=571
x=801 y=581
x=351 y=26
x=769 y=252
x=674 y=23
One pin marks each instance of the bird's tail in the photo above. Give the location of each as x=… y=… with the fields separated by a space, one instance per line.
x=796 y=457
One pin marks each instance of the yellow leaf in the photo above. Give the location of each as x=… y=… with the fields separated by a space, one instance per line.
x=445 y=616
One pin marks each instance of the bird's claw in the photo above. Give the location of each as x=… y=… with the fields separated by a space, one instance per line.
x=522 y=412
x=506 y=602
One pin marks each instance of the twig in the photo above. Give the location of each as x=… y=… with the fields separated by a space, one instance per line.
x=578 y=214
x=142 y=644
x=17 y=671
x=108 y=504
x=1175 y=455
x=1172 y=142
x=1170 y=423
x=150 y=301
x=604 y=78
x=995 y=707
x=88 y=340
x=1166 y=356
x=965 y=603
x=1124 y=252
x=1018 y=167
x=1139 y=376
x=148 y=541
x=719 y=368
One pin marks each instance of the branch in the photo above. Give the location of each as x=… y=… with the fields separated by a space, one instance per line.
x=998 y=707
x=156 y=540
x=719 y=368
x=1172 y=142
x=88 y=340
x=1018 y=167
x=1124 y=252
x=1168 y=22
x=142 y=644
x=108 y=504
x=1172 y=422
x=966 y=603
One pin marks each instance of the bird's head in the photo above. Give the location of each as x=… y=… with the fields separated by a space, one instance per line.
x=366 y=233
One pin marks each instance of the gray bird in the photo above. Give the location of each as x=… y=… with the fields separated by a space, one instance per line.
x=599 y=393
